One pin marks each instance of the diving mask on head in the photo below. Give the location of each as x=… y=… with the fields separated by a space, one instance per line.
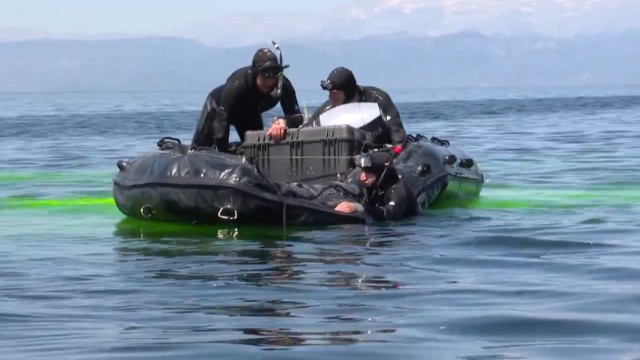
x=326 y=85
x=364 y=161
x=271 y=71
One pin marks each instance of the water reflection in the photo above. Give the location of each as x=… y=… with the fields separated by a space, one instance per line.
x=133 y=229
x=269 y=281
x=352 y=281
x=333 y=245
x=304 y=258
x=284 y=337
x=243 y=307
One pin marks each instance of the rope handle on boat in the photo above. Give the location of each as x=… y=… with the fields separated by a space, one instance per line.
x=162 y=141
x=439 y=141
x=435 y=140
x=227 y=217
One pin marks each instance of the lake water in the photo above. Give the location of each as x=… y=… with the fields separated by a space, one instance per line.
x=543 y=266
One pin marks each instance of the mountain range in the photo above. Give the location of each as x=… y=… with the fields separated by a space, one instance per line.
x=465 y=59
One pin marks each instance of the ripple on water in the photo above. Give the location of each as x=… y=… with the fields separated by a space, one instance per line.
x=543 y=265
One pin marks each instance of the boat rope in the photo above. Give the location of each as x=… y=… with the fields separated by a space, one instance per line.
x=335 y=185
x=308 y=157
x=284 y=204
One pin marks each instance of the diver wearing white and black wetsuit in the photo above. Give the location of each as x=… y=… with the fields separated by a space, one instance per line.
x=239 y=102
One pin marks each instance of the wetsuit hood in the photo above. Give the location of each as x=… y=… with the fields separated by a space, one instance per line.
x=377 y=163
x=343 y=79
x=265 y=61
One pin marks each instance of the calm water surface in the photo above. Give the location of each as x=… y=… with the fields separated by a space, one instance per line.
x=543 y=266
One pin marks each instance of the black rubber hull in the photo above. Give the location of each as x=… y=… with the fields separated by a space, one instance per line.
x=208 y=187
x=220 y=204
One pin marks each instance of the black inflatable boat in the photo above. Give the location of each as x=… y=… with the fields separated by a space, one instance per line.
x=297 y=181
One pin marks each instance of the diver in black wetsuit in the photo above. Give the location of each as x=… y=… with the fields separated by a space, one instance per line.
x=387 y=197
x=343 y=88
x=248 y=92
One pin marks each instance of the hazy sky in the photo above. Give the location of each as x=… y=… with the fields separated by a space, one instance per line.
x=241 y=22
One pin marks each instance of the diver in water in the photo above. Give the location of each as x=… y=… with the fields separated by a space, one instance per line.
x=248 y=92
x=387 y=196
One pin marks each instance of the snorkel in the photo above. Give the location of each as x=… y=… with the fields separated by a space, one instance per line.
x=277 y=92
